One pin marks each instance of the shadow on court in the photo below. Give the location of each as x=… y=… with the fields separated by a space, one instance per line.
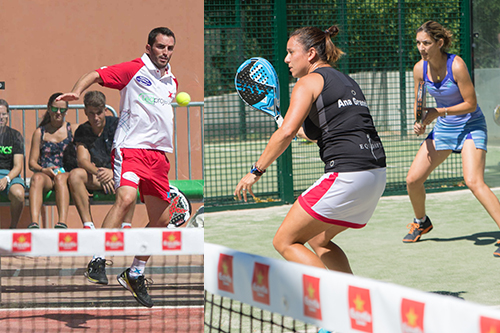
x=179 y=320
x=480 y=238
x=79 y=320
x=456 y=294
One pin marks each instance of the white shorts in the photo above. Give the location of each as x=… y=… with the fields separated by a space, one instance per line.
x=347 y=199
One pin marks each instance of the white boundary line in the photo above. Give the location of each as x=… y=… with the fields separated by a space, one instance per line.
x=103 y=308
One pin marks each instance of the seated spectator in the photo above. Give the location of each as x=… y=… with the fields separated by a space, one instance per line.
x=48 y=144
x=11 y=165
x=94 y=140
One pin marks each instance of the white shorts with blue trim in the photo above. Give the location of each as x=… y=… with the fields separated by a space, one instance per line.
x=345 y=198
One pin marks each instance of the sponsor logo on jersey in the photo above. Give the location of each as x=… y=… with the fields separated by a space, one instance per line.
x=21 y=242
x=152 y=99
x=312 y=303
x=143 y=80
x=114 y=241
x=68 y=242
x=360 y=309
x=412 y=316
x=260 y=283
x=225 y=273
x=172 y=240
x=375 y=145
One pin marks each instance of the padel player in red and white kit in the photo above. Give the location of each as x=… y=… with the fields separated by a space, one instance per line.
x=332 y=110
x=143 y=136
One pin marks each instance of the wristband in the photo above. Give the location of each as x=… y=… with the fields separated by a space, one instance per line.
x=8 y=180
x=445 y=112
x=256 y=171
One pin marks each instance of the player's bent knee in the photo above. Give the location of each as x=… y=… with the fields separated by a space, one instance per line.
x=278 y=243
x=473 y=184
x=413 y=181
x=125 y=201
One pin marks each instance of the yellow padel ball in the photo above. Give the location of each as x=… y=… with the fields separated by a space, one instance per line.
x=183 y=98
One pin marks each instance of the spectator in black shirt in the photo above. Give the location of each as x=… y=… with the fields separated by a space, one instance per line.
x=94 y=140
x=11 y=165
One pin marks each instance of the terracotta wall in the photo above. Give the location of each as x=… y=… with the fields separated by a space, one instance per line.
x=46 y=45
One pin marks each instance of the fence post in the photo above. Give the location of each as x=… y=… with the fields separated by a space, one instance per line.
x=343 y=36
x=285 y=174
x=467 y=42
x=402 y=69
x=240 y=27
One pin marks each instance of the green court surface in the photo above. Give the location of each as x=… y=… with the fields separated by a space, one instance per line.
x=455 y=258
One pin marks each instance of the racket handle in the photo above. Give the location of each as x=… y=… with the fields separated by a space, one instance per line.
x=279 y=120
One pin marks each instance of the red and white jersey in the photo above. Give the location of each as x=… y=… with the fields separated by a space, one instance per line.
x=146 y=116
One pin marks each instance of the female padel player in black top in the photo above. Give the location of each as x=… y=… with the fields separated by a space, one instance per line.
x=333 y=111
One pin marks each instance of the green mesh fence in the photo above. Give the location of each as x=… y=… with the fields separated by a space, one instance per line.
x=378 y=39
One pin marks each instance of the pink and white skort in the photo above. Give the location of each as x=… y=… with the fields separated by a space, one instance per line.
x=345 y=198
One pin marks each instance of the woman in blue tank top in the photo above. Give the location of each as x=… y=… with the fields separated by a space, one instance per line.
x=460 y=126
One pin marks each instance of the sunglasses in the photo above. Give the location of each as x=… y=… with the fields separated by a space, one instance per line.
x=54 y=109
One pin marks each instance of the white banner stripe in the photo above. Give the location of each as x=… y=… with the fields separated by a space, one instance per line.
x=384 y=309
x=74 y=242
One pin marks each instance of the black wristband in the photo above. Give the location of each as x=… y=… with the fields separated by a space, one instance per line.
x=256 y=171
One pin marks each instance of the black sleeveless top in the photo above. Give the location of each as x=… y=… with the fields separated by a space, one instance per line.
x=341 y=123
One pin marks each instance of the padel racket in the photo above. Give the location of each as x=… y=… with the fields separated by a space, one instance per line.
x=257 y=85
x=420 y=100
x=198 y=220
x=180 y=208
x=496 y=115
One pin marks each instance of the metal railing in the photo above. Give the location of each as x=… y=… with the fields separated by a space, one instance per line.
x=189 y=146
x=38 y=109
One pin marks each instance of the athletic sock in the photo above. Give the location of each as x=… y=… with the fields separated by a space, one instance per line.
x=126 y=225
x=88 y=225
x=98 y=256
x=137 y=268
x=422 y=220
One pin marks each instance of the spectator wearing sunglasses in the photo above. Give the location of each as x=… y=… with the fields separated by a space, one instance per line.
x=11 y=165
x=48 y=145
